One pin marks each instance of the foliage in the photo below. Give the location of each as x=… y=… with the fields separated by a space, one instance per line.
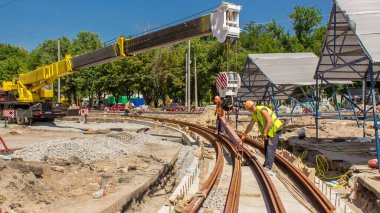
x=12 y=61
x=305 y=20
x=160 y=74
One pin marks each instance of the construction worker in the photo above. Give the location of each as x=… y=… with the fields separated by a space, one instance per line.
x=270 y=128
x=219 y=112
x=126 y=109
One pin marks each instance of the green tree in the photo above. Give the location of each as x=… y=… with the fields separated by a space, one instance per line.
x=81 y=83
x=12 y=61
x=268 y=38
x=47 y=52
x=305 y=20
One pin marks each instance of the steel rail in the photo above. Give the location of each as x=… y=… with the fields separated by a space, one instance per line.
x=271 y=193
x=215 y=175
x=233 y=195
x=320 y=201
x=232 y=201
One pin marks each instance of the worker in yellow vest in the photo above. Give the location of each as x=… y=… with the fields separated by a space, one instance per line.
x=270 y=128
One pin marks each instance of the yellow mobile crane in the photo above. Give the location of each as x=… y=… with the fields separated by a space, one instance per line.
x=33 y=101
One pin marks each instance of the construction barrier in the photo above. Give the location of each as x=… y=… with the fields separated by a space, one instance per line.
x=8 y=113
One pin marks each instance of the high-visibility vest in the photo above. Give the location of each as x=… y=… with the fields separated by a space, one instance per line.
x=262 y=122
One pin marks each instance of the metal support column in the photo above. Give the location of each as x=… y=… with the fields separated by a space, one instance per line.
x=307 y=97
x=316 y=109
x=374 y=113
x=353 y=107
x=273 y=97
x=336 y=101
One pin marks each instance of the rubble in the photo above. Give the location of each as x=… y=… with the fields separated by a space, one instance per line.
x=88 y=149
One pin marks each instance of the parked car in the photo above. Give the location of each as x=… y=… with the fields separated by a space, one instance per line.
x=175 y=107
x=119 y=107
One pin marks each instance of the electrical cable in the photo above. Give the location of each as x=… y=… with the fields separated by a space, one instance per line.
x=8 y=3
x=322 y=168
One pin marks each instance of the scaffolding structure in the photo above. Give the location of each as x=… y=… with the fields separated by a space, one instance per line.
x=272 y=78
x=351 y=51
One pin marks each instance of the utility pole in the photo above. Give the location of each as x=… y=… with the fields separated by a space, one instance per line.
x=189 y=77
x=59 y=79
x=186 y=81
x=195 y=81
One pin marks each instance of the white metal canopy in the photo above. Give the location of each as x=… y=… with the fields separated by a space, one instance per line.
x=276 y=74
x=352 y=42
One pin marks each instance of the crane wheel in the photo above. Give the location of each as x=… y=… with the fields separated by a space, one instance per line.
x=20 y=121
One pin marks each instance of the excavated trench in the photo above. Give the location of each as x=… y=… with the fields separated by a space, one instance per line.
x=355 y=196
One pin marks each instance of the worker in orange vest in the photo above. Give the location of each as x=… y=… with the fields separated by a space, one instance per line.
x=219 y=112
x=126 y=109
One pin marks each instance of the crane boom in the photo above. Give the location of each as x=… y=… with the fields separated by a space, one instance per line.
x=223 y=23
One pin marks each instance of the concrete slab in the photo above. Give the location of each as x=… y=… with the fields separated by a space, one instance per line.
x=251 y=199
x=372 y=183
x=290 y=203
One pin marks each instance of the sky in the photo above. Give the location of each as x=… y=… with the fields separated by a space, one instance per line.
x=27 y=23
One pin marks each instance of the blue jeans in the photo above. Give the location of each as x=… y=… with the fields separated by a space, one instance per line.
x=270 y=147
x=218 y=125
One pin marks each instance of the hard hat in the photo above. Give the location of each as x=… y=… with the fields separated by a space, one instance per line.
x=249 y=105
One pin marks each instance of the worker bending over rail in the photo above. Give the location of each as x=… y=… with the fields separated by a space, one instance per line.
x=219 y=112
x=270 y=128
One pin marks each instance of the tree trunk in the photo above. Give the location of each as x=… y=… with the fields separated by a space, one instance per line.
x=99 y=96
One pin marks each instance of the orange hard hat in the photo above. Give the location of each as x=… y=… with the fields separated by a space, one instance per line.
x=249 y=105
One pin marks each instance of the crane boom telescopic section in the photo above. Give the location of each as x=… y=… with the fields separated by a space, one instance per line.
x=223 y=24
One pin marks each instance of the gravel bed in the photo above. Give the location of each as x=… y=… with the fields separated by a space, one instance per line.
x=90 y=149
x=73 y=126
x=217 y=198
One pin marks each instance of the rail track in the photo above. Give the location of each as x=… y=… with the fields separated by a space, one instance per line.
x=319 y=201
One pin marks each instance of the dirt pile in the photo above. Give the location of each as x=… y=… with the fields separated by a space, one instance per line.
x=208 y=117
x=327 y=128
x=44 y=186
